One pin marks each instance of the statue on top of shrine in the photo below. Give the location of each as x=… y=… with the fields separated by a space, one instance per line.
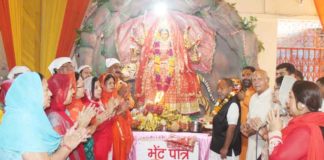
x=165 y=75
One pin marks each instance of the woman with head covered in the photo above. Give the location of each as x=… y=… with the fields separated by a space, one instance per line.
x=26 y=132
x=62 y=89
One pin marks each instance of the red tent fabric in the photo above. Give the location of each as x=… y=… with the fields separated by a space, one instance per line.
x=5 y=29
x=74 y=13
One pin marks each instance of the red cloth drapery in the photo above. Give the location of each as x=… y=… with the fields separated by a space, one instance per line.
x=319 y=4
x=74 y=13
x=5 y=28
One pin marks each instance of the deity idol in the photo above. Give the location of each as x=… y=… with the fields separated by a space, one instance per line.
x=165 y=75
x=165 y=52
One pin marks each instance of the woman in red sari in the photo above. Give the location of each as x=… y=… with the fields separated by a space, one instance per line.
x=103 y=137
x=303 y=137
x=61 y=87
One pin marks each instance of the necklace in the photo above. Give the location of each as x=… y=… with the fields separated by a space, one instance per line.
x=163 y=85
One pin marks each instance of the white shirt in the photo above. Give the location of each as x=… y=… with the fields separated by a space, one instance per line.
x=322 y=107
x=259 y=106
x=232 y=114
x=232 y=117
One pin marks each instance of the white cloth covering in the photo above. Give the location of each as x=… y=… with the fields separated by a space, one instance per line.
x=83 y=67
x=57 y=63
x=286 y=85
x=111 y=61
x=17 y=70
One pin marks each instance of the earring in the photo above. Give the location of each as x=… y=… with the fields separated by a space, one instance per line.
x=300 y=106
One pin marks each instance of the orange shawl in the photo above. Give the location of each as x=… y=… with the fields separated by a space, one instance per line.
x=123 y=136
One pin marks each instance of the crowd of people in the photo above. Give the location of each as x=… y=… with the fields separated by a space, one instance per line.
x=77 y=116
x=72 y=115
x=260 y=123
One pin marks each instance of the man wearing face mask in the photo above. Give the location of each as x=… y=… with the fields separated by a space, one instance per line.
x=245 y=96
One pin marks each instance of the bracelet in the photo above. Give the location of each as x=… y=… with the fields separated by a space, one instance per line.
x=66 y=146
x=275 y=137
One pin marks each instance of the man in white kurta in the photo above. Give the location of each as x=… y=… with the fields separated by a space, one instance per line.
x=260 y=105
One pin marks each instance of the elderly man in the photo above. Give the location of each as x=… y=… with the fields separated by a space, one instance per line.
x=285 y=69
x=113 y=66
x=85 y=71
x=260 y=105
x=245 y=96
x=62 y=65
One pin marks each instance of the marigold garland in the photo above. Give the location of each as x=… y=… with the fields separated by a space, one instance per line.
x=221 y=102
x=163 y=86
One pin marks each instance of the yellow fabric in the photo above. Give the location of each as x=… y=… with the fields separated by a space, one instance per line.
x=1 y=114
x=16 y=9
x=51 y=23
x=36 y=28
x=30 y=34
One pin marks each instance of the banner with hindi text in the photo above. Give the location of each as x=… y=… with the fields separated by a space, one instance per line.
x=158 y=149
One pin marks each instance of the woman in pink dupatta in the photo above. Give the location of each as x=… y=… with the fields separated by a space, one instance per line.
x=62 y=91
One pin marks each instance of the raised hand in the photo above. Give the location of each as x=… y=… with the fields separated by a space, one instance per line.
x=86 y=115
x=255 y=123
x=274 y=121
x=74 y=136
x=112 y=104
x=244 y=129
x=103 y=116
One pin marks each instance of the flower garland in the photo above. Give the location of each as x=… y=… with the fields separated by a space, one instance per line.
x=221 y=102
x=163 y=86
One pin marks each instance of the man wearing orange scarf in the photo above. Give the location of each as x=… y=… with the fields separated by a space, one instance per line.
x=245 y=96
